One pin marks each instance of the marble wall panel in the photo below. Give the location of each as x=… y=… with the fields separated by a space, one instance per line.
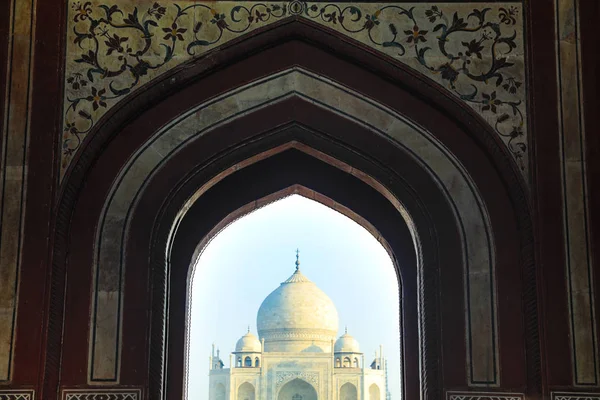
x=579 y=279
x=479 y=271
x=13 y=170
x=474 y=50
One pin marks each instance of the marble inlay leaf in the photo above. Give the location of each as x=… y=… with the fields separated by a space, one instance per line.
x=474 y=50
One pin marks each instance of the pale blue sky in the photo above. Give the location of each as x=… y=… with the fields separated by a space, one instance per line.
x=252 y=256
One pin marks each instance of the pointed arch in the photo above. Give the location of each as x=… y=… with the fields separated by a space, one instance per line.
x=246 y=391
x=463 y=134
x=297 y=388
x=374 y=392
x=348 y=392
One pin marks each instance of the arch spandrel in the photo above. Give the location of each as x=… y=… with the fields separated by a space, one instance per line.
x=475 y=51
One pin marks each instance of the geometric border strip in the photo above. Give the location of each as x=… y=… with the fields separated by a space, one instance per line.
x=575 y=396
x=101 y=394
x=17 y=395
x=483 y=396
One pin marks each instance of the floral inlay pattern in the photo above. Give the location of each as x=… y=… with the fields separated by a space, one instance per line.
x=474 y=50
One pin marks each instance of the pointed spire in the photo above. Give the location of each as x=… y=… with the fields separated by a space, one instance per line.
x=297 y=259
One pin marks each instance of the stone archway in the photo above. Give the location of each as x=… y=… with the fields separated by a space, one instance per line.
x=307 y=115
x=219 y=392
x=297 y=389
x=246 y=391
x=374 y=393
x=348 y=392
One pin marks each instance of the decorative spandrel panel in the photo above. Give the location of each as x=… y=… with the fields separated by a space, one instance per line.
x=474 y=50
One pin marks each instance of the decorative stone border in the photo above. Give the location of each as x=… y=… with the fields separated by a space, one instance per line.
x=575 y=396
x=103 y=394
x=17 y=395
x=483 y=396
x=283 y=377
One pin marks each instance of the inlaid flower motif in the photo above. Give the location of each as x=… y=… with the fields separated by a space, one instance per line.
x=415 y=35
x=174 y=32
x=433 y=14
x=219 y=20
x=508 y=15
x=517 y=131
x=474 y=47
x=76 y=81
x=258 y=16
x=115 y=43
x=370 y=22
x=97 y=98
x=82 y=12
x=69 y=127
x=157 y=11
x=511 y=85
x=490 y=102
x=449 y=73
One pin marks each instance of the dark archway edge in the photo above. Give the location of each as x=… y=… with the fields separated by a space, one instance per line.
x=297 y=43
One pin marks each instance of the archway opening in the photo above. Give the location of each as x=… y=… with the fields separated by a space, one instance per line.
x=246 y=391
x=237 y=270
x=348 y=392
x=297 y=389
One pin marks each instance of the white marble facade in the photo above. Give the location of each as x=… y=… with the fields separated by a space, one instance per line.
x=296 y=355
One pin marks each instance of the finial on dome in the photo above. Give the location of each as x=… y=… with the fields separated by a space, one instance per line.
x=248 y=328
x=297 y=259
x=346 y=329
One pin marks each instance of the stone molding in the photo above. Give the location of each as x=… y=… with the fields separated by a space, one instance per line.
x=483 y=396
x=17 y=395
x=283 y=377
x=101 y=394
x=575 y=396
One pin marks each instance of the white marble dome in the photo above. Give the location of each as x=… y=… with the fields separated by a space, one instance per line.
x=248 y=344
x=297 y=316
x=346 y=344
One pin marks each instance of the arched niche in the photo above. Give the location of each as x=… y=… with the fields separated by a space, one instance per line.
x=303 y=117
x=246 y=391
x=220 y=392
x=348 y=392
x=297 y=389
x=374 y=392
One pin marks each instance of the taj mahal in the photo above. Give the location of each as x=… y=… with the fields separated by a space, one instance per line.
x=296 y=355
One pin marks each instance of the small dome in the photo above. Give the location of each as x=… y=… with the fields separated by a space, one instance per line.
x=248 y=344
x=346 y=344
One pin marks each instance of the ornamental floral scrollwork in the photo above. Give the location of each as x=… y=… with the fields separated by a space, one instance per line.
x=282 y=377
x=476 y=52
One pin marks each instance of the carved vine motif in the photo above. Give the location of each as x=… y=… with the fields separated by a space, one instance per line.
x=475 y=51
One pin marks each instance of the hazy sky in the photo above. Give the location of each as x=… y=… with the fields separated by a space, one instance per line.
x=252 y=256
